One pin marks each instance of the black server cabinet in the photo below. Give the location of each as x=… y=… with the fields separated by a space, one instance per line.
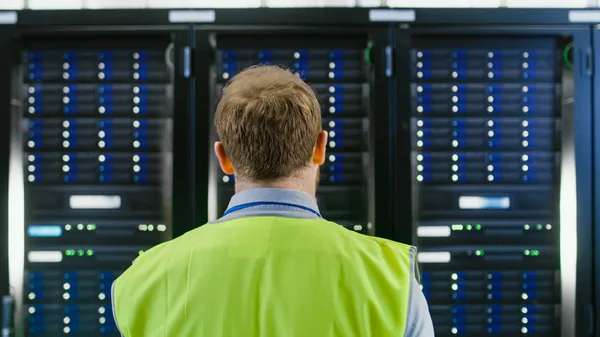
x=342 y=69
x=496 y=167
x=92 y=170
x=5 y=105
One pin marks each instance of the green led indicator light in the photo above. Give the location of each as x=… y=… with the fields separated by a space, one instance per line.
x=479 y=252
x=457 y=227
x=469 y=227
x=548 y=226
x=70 y=252
x=478 y=227
x=91 y=227
x=535 y=252
x=527 y=227
x=68 y=227
x=539 y=227
x=90 y=252
x=80 y=252
x=527 y=252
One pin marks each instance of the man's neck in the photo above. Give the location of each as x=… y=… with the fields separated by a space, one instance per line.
x=289 y=184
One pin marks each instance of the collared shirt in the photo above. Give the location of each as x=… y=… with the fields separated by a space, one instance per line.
x=296 y=204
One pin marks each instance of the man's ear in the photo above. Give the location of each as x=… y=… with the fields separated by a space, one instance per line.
x=224 y=161
x=320 y=149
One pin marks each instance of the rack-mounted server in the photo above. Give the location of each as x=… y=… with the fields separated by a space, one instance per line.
x=92 y=155
x=336 y=70
x=486 y=139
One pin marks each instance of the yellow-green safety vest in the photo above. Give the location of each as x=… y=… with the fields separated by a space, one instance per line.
x=267 y=277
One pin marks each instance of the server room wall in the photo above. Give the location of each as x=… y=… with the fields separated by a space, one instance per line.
x=467 y=133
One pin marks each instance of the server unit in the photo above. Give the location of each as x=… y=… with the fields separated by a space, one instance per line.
x=493 y=180
x=336 y=69
x=91 y=174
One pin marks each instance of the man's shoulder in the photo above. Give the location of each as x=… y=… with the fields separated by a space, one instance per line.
x=374 y=241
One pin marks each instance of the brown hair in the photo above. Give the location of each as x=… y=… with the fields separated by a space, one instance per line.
x=268 y=120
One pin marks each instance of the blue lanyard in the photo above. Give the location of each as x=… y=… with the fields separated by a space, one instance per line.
x=260 y=203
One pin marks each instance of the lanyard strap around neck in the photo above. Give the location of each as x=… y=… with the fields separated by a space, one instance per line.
x=274 y=203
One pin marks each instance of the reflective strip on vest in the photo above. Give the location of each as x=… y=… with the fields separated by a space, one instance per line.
x=267 y=277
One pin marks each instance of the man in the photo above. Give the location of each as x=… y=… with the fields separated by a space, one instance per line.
x=271 y=266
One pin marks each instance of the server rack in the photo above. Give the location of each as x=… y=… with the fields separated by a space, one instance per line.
x=5 y=105
x=393 y=214
x=92 y=168
x=496 y=167
x=345 y=71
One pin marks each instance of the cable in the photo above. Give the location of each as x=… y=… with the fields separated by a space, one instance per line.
x=168 y=56
x=565 y=54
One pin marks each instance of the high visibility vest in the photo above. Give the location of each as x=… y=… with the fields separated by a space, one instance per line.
x=267 y=277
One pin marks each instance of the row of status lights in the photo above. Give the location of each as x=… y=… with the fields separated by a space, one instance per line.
x=478 y=227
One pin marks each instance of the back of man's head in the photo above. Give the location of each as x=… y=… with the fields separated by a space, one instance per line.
x=268 y=120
